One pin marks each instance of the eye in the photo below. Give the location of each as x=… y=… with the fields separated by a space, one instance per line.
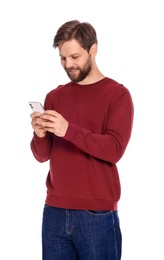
x=75 y=57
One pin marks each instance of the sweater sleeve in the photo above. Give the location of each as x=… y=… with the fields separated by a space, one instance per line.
x=41 y=147
x=111 y=145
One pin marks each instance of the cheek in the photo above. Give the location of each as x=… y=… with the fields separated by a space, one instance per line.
x=62 y=63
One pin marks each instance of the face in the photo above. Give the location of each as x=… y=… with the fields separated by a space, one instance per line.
x=75 y=60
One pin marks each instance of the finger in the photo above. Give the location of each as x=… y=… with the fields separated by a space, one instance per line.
x=47 y=124
x=52 y=112
x=48 y=117
x=35 y=114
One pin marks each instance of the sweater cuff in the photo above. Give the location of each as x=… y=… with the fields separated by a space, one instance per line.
x=37 y=138
x=71 y=132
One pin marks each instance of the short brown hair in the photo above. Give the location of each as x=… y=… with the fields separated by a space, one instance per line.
x=84 y=33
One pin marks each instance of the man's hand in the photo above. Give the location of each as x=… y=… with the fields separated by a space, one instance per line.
x=38 y=129
x=51 y=121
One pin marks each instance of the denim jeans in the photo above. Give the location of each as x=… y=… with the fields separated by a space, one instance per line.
x=80 y=235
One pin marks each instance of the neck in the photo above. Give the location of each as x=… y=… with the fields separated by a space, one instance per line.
x=94 y=76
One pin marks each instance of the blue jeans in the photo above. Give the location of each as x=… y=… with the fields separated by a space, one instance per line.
x=80 y=235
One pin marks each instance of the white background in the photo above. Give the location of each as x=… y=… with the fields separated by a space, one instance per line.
x=131 y=43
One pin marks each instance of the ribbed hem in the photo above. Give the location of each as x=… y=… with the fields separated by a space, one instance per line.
x=81 y=204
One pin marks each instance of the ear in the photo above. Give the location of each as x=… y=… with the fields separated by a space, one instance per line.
x=93 y=49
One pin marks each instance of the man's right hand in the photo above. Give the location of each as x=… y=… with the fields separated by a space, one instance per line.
x=38 y=129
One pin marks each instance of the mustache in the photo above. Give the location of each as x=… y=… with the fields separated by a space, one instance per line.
x=71 y=68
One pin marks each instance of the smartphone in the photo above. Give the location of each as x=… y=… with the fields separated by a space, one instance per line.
x=36 y=106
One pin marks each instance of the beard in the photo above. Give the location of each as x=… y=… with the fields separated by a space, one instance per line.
x=82 y=72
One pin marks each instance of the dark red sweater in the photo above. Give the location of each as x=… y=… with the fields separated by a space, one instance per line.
x=83 y=172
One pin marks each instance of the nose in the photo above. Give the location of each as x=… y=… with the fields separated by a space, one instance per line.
x=68 y=63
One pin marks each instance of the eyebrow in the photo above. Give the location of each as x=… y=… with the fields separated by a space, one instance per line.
x=73 y=54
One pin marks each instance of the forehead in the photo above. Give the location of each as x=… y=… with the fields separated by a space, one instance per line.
x=70 y=47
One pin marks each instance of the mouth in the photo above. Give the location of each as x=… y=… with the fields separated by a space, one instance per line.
x=72 y=71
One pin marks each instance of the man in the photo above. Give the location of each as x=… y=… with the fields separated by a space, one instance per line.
x=83 y=133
